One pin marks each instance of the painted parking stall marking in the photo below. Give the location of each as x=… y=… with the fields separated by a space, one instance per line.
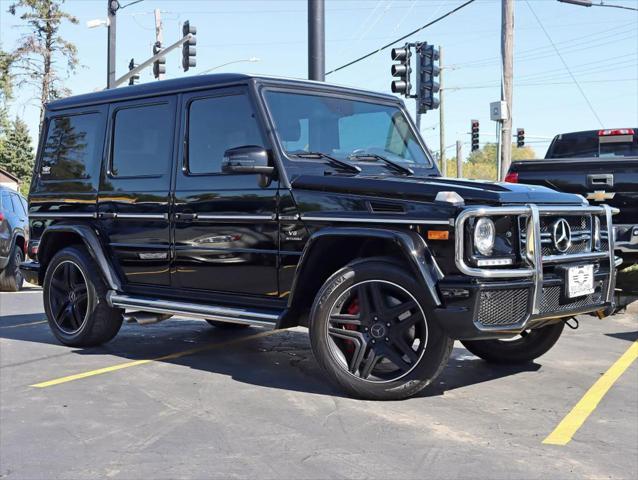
x=566 y=429
x=135 y=363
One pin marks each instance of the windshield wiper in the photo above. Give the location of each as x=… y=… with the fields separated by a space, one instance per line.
x=335 y=162
x=397 y=167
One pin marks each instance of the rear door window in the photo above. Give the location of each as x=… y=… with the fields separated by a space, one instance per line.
x=73 y=147
x=17 y=205
x=142 y=140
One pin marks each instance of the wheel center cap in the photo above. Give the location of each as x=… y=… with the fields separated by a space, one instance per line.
x=72 y=296
x=377 y=330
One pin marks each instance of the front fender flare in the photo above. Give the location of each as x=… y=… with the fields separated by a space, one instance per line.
x=92 y=244
x=412 y=246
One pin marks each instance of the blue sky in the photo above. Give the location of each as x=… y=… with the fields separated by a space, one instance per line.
x=600 y=46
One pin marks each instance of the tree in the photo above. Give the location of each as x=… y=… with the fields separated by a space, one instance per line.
x=6 y=90
x=16 y=152
x=482 y=163
x=42 y=49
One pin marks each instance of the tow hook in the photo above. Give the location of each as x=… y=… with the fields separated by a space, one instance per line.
x=572 y=323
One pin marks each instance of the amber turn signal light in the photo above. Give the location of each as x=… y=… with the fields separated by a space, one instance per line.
x=438 y=235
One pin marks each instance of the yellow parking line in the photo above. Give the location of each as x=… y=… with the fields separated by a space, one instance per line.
x=134 y=363
x=26 y=324
x=566 y=429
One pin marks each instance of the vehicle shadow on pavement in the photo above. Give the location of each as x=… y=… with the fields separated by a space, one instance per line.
x=282 y=360
x=629 y=336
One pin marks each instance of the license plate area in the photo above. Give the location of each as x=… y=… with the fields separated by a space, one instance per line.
x=579 y=281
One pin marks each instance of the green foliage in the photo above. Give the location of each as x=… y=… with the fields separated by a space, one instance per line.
x=481 y=164
x=16 y=152
x=6 y=87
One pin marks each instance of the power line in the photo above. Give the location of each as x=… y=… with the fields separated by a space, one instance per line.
x=401 y=38
x=582 y=92
x=601 y=4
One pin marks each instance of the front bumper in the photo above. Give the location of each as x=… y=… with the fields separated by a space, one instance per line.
x=498 y=302
x=627 y=240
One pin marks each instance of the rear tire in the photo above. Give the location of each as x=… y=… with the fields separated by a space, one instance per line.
x=371 y=335
x=75 y=300
x=533 y=344
x=11 y=279
x=227 y=325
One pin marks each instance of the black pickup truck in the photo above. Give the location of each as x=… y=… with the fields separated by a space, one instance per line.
x=600 y=165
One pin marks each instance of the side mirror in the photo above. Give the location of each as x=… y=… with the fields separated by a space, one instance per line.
x=246 y=159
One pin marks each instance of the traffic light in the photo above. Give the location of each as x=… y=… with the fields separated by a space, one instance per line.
x=520 y=137
x=159 y=65
x=134 y=78
x=426 y=81
x=475 y=135
x=188 y=49
x=401 y=70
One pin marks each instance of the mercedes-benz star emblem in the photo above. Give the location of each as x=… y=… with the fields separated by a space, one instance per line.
x=377 y=330
x=562 y=235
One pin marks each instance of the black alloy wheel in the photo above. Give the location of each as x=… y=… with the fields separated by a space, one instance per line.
x=75 y=300
x=377 y=331
x=68 y=297
x=370 y=333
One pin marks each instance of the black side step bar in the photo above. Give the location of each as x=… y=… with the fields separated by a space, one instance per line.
x=262 y=318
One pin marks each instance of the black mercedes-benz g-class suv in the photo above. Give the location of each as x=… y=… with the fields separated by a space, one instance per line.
x=262 y=201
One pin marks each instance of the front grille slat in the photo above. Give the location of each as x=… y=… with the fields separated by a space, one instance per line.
x=581 y=228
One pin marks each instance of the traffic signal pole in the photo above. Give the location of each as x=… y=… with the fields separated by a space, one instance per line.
x=151 y=60
x=316 y=40
x=159 y=36
x=112 y=6
x=507 y=53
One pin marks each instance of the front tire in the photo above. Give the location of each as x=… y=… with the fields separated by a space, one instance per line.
x=529 y=346
x=370 y=333
x=11 y=279
x=75 y=300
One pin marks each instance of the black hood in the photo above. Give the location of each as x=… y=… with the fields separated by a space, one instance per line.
x=426 y=188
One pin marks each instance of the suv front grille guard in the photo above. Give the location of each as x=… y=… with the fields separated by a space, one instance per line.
x=536 y=260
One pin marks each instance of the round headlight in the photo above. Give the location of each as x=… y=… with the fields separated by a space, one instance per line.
x=597 y=240
x=484 y=233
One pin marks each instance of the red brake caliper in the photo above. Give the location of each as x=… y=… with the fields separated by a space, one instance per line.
x=353 y=309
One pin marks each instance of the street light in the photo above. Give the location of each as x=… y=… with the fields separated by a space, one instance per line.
x=251 y=60
x=98 y=22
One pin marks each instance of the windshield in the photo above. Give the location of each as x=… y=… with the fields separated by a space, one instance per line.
x=343 y=128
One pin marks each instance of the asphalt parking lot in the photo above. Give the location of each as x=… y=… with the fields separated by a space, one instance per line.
x=181 y=399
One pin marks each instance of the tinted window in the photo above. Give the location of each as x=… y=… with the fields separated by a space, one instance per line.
x=142 y=141
x=5 y=202
x=215 y=125
x=71 y=150
x=17 y=205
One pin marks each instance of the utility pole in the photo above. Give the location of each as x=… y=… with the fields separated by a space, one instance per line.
x=316 y=40
x=112 y=7
x=507 y=55
x=441 y=116
x=459 y=159
x=159 y=36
